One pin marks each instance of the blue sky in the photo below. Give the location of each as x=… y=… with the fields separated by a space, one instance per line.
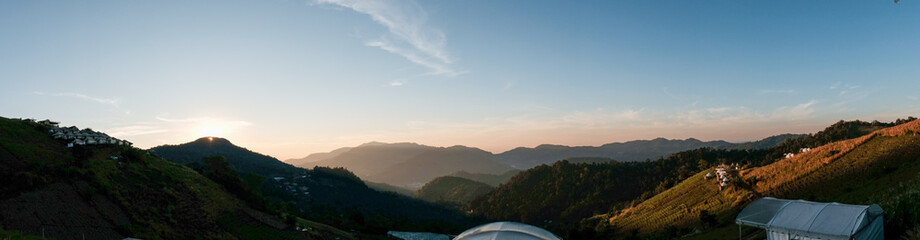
x=289 y=78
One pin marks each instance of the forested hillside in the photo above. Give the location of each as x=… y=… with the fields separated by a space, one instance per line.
x=112 y=192
x=560 y=196
x=881 y=168
x=239 y=158
x=452 y=190
x=334 y=196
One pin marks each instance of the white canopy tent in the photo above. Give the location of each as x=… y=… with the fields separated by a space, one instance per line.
x=506 y=230
x=798 y=219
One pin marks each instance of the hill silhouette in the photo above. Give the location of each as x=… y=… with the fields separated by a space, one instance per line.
x=113 y=192
x=410 y=165
x=333 y=196
x=639 y=150
x=239 y=158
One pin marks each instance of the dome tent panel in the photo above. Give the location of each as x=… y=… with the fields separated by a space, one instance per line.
x=506 y=230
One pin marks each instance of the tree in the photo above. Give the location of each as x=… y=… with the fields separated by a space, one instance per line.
x=708 y=219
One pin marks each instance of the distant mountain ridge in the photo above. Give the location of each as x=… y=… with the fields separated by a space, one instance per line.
x=631 y=151
x=329 y=195
x=316 y=157
x=239 y=158
x=410 y=165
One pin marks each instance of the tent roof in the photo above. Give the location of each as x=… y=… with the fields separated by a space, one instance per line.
x=506 y=230
x=808 y=218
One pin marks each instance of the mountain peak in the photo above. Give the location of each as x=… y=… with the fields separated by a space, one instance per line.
x=213 y=141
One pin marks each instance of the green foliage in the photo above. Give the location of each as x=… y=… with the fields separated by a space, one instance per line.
x=452 y=190
x=334 y=196
x=338 y=172
x=16 y=235
x=218 y=170
x=880 y=168
x=707 y=219
x=491 y=179
x=566 y=193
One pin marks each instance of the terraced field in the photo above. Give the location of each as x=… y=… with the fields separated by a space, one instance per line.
x=881 y=167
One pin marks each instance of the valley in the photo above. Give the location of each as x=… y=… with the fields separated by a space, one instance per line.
x=246 y=193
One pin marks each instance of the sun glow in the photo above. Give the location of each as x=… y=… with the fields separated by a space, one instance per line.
x=211 y=131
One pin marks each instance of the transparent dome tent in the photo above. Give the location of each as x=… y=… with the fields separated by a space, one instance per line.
x=507 y=231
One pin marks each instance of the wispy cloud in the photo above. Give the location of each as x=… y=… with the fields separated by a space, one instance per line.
x=109 y=101
x=397 y=83
x=603 y=118
x=200 y=120
x=843 y=88
x=136 y=130
x=175 y=125
x=797 y=112
x=409 y=35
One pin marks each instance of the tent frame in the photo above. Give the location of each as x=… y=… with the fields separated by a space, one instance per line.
x=769 y=224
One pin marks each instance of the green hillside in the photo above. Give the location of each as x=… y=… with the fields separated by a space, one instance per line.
x=333 y=196
x=564 y=197
x=239 y=158
x=112 y=192
x=881 y=168
x=491 y=179
x=452 y=190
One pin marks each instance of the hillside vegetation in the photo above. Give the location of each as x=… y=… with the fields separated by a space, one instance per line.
x=452 y=190
x=333 y=196
x=564 y=197
x=880 y=167
x=491 y=179
x=112 y=192
x=239 y=158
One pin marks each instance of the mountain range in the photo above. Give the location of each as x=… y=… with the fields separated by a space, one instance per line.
x=408 y=165
x=335 y=196
x=849 y=162
x=411 y=165
x=212 y=189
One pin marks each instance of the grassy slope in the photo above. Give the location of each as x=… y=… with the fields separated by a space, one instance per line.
x=160 y=198
x=877 y=168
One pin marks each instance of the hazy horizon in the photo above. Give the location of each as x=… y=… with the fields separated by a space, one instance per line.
x=292 y=78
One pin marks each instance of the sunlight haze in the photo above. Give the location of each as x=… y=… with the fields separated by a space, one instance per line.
x=291 y=78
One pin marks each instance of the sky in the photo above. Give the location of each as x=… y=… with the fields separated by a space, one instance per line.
x=290 y=78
